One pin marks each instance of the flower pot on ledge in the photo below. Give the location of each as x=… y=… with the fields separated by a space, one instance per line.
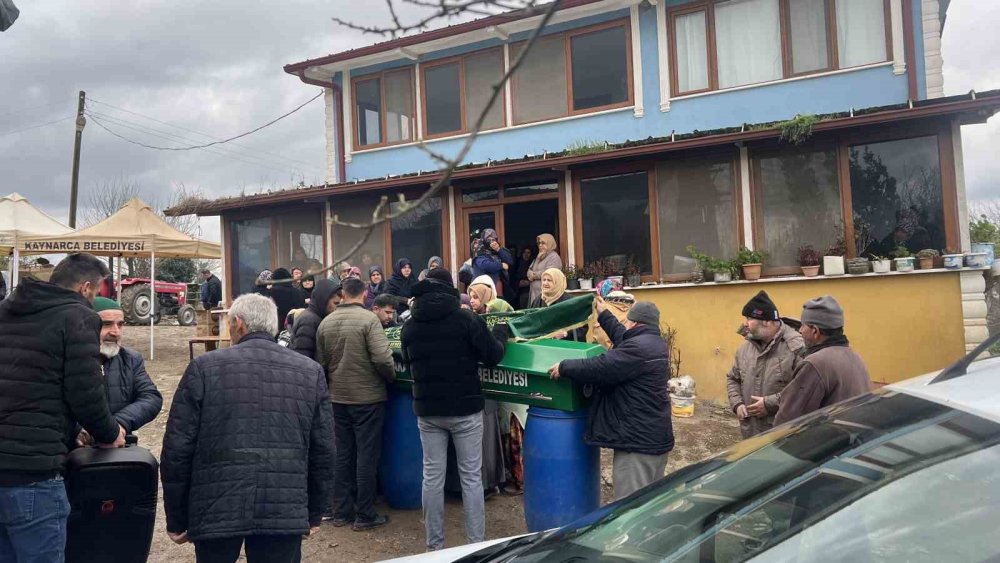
x=904 y=264
x=833 y=265
x=882 y=266
x=573 y=284
x=926 y=263
x=857 y=266
x=810 y=271
x=722 y=277
x=587 y=284
x=751 y=272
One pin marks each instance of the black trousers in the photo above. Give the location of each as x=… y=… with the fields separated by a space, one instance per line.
x=358 y=433
x=262 y=549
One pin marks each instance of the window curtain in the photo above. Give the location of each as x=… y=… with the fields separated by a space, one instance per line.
x=860 y=32
x=748 y=42
x=808 y=35
x=692 y=52
x=398 y=106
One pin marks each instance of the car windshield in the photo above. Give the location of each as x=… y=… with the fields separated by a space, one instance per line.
x=884 y=477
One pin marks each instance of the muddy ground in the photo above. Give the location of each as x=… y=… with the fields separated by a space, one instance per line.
x=711 y=430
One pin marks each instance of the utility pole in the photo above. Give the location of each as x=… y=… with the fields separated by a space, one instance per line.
x=81 y=122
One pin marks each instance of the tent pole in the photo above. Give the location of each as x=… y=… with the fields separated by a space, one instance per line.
x=16 y=272
x=152 y=302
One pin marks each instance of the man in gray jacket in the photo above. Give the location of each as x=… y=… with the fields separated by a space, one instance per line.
x=353 y=349
x=831 y=371
x=764 y=365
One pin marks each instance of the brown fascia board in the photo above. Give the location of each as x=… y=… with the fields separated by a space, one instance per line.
x=435 y=34
x=982 y=105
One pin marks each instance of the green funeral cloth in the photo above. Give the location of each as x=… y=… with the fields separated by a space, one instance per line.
x=540 y=323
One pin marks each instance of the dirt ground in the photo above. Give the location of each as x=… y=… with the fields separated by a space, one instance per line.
x=711 y=430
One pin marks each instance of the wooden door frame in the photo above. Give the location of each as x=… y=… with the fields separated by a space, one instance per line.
x=465 y=244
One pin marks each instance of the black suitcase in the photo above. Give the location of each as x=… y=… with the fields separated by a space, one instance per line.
x=112 y=496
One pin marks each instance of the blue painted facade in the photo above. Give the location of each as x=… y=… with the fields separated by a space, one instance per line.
x=824 y=93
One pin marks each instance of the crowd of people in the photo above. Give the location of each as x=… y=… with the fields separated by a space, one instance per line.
x=266 y=441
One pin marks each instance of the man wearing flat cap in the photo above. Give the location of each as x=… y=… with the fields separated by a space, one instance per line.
x=630 y=413
x=831 y=371
x=765 y=363
x=132 y=396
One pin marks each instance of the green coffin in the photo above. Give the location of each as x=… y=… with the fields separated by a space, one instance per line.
x=523 y=374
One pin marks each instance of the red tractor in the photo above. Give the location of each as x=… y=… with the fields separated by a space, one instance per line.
x=171 y=299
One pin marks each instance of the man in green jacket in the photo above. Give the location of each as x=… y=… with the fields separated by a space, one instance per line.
x=353 y=349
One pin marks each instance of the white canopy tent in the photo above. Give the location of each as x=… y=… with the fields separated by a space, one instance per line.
x=134 y=231
x=18 y=220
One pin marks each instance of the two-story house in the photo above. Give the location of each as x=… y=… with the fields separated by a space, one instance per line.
x=634 y=129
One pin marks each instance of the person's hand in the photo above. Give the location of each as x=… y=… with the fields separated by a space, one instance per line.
x=84 y=439
x=601 y=304
x=560 y=335
x=506 y=266
x=119 y=442
x=741 y=412
x=554 y=372
x=531 y=276
x=495 y=246
x=757 y=408
x=179 y=539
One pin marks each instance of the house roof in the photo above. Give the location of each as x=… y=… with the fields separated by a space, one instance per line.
x=976 y=106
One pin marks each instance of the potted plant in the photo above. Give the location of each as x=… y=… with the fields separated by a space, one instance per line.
x=857 y=266
x=903 y=259
x=863 y=239
x=572 y=277
x=723 y=270
x=633 y=277
x=833 y=259
x=809 y=261
x=704 y=260
x=952 y=259
x=586 y=277
x=751 y=262
x=926 y=257
x=881 y=264
x=984 y=236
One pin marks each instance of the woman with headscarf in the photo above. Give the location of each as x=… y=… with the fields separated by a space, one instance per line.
x=308 y=284
x=491 y=259
x=434 y=262
x=285 y=296
x=547 y=258
x=483 y=295
x=553 y=292
x=376 y=285
x=354 y=272
x=263 y=284
x=401 y=284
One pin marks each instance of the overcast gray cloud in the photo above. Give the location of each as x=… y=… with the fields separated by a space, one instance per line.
x=215 y=67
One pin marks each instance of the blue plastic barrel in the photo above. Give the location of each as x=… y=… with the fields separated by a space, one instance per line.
x=401 y=467
x=562 y=475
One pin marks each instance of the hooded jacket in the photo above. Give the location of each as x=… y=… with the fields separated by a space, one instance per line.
x=285 y=295
x=444 y=346
x=763 y=370
x=631 y=409
x=307 y=322
x=50 y=376
x=401 y=287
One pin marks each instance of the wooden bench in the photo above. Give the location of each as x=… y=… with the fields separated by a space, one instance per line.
x=210 y=342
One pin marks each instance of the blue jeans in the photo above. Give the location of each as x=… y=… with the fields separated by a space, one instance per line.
x=33 y=522
x=467 y=434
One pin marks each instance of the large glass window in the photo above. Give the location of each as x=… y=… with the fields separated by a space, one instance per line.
x=456 y=93
x=368 y=99
x=539 y=86
x=417 y=235
x=358 y=210
x=615 y=214
x=807 y=24
x=691 y=40
x=748 y=42
x=483 y=71
x=443 y=98
x=251 y=252
x=383 y=108
x=300 y=239
x=399 y=116
x=798 y=197
x=896 y=195
x=697 y=206
x=600 y=68
x=860 y=32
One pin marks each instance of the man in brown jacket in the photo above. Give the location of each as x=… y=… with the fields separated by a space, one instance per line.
x=831 y=371
x=764 y=365
x=351 y=345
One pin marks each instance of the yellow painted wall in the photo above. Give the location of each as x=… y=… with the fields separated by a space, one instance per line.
x=903 y=325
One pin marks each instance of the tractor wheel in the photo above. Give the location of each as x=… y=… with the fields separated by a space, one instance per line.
x=137 y=304
x=186 y=315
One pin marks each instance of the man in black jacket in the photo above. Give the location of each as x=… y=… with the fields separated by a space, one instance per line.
x=132 y=396
x=631 y=410
x=248 y=450
x=444 y=345
x=211 y=290
x=50 y=377
x=326 y=296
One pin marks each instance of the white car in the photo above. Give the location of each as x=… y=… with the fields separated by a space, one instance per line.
x=910 y=472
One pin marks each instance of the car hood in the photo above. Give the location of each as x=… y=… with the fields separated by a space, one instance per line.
x=451 y=554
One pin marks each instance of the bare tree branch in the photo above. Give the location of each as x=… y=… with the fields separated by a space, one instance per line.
x=444 y=9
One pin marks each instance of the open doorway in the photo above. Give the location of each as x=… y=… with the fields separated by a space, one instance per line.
x=523 y=222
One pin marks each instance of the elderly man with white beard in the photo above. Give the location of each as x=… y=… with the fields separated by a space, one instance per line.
x=132 y=396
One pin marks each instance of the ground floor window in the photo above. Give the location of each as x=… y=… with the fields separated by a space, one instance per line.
x=300 y=239
x=251 y=249
x=359 y=210
x=417 y=235
x=615 y=215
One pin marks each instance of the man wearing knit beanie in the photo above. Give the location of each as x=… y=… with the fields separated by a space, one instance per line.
x=631 y=414
x=764 y=364
x=831 y=371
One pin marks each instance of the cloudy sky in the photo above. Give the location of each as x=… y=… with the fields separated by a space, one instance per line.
x=168 y=72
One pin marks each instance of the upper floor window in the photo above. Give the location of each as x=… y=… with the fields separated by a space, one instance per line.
x=456 y=90
x=724 y=44
x=384 y=109
x=574 y=72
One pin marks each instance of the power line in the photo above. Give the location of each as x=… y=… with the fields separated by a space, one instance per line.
x=252 y=131
x=171 y=125
x=36 y=126
x=180 y=139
